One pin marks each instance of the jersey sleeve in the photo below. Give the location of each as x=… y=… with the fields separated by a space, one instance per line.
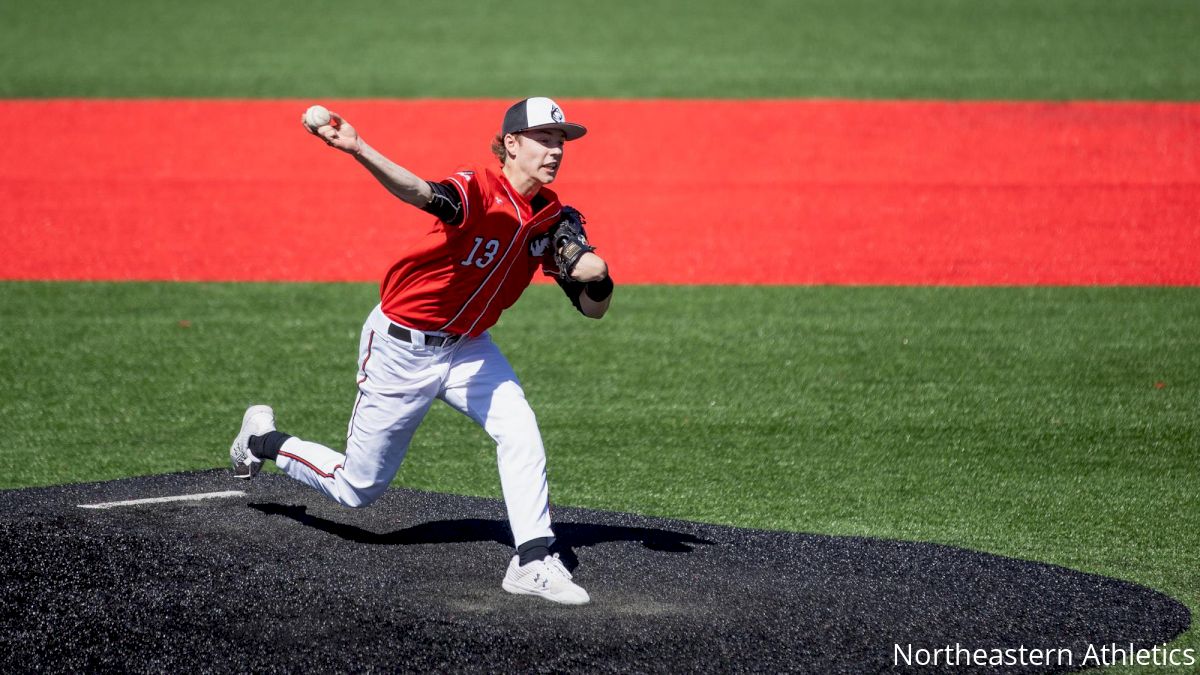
x=549 y=267
x=596 y=290
x=469 y=186
x=572 y=289
x=446 y=203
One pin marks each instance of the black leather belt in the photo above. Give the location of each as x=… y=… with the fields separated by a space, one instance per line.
x=402 y=333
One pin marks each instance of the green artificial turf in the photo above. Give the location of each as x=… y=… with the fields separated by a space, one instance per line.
x=952 y=49
x=1051 y=424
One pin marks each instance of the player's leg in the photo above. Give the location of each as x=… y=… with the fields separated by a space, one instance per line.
x=396 y=388
x=381 y=428
x=482 y=385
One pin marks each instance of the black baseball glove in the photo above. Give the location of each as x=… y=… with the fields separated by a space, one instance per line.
x=569 y=241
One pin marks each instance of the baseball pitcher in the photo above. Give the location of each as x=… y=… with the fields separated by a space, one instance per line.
x=427 y=339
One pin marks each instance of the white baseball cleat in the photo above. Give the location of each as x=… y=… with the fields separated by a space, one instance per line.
x=258 y=420
x=546 y=578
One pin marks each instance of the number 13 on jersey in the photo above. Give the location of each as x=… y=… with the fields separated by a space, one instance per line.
x=482 y=259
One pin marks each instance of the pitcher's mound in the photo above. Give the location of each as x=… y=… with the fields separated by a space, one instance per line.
x=282 y=580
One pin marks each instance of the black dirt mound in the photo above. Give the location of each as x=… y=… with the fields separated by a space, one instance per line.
x=279 y=580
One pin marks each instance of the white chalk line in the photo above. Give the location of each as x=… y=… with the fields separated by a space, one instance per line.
x=161 y=500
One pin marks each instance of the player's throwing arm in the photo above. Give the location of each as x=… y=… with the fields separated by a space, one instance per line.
x=337 y=133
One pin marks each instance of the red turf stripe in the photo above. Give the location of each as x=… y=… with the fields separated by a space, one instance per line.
x=675 y=191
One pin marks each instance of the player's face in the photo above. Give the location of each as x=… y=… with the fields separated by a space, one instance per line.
x=539 y=153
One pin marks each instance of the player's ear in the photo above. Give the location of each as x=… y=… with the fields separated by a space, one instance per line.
x=511 y=143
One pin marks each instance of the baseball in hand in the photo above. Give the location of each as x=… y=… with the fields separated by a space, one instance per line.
x=317 y=116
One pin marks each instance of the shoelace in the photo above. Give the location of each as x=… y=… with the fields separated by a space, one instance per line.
x=554 y=565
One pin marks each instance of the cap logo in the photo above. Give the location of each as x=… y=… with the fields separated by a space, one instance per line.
x=539 y=113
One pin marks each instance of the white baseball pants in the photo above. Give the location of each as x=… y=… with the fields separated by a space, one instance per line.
x=397 y=384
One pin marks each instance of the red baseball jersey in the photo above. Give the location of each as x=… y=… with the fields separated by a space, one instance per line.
x=459 y=278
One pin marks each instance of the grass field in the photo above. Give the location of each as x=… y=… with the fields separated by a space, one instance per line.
x=953 y=49
x=1051 y=424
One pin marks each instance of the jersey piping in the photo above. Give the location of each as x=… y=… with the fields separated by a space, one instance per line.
x=507 y=270
x=511 y=243
x=466 y=203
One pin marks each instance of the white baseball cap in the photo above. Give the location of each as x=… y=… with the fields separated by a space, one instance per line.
x=539 y=113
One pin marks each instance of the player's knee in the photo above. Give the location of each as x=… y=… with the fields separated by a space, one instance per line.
x=360 y=498
x=356 y=501
x=521 y=428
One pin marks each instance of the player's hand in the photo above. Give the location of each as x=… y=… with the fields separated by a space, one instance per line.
x=337 y=134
